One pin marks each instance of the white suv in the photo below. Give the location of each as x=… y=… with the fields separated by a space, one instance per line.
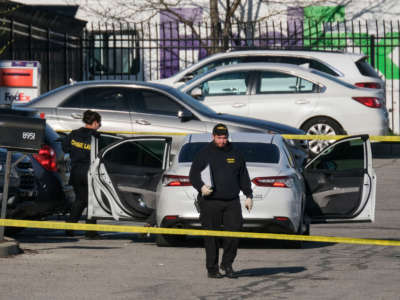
x=313 y=101
x=350 y=67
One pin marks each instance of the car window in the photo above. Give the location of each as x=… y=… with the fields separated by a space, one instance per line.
x=234 y=83
x=105 y=140
x=137 y=154
x=366 y=69
x=335 y=79
x=276 y=82
x=252 y=152
x=101 y=98
x=289 y=157
x=315 y=64
x=347 y=155
x=151 y=102
x=216 y=63
x=191 y=102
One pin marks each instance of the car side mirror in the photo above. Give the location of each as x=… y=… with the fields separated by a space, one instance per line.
x=197 y=93
x=185 y=115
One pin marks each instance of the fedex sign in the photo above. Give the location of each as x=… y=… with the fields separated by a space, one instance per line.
x=19 y=81
x=18 y=96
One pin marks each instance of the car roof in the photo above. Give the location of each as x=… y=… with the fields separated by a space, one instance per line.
x=303 y=53
x=313 y=75
x=247 y=137
x=261 y=65
x=120 y=82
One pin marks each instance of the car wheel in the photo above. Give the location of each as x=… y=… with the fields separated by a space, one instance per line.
x=304 y=229
x=321 y=126
x=165 y=240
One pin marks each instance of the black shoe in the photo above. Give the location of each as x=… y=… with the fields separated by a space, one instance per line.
x=229 y=271
x=69 y=233
x=216 y=274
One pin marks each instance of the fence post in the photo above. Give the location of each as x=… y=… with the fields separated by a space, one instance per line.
x=81 y=44
x=30 y=42
x=66 y=57
x=372 y=49
x=12 y=39
x=48 y=60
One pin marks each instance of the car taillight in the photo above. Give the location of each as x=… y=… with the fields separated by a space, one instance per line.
x=274 y=181
x=369 y=101
x=369 y=85
x=176 y=180
x=47 y=158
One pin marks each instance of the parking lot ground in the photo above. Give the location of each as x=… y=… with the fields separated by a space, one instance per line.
x=129 y=266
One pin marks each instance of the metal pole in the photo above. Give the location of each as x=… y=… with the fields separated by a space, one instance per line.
x=5 y=191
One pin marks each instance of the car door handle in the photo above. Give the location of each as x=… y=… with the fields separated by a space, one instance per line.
x=143 y=122
x=237 y=105
x=76 y=115
x=302 y=101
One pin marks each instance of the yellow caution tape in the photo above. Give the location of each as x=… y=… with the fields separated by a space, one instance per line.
x=375 y=138
x=194 y=232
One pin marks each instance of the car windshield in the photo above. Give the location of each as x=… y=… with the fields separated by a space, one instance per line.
x=252 y=152
x=196 y=78
x=333 y=78
x=200 y=63
x=190 y=101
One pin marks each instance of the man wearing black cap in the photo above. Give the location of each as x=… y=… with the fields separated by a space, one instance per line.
x=219 y=204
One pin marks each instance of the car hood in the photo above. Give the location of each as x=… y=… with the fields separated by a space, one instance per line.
x=272 y=127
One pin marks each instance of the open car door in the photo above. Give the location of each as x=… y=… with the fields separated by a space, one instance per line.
x=341 y=182
x=124 y=175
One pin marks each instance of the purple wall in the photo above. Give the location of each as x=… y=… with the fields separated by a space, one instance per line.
x=172 y=40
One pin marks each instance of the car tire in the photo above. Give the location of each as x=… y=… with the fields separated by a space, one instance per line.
x=304 y=229
x=321 y=126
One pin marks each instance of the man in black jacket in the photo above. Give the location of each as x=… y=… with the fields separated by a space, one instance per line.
x=219 y=204
x=77 y=144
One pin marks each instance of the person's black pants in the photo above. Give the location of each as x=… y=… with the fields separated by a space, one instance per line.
x=80 y=184
x=213 y=215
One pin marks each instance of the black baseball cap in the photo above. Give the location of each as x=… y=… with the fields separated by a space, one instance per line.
x=220 y=129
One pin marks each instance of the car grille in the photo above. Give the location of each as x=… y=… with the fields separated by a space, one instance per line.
x=26 y=177
x=27 y=182
x=24 y=165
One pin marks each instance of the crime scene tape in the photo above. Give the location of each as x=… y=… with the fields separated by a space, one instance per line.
x=192 y=232
x=374 y=138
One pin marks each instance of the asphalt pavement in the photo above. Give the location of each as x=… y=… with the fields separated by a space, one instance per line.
x=130 y=266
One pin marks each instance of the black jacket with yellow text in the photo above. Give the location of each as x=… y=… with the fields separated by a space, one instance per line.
x=228 y=169
x=77 y=144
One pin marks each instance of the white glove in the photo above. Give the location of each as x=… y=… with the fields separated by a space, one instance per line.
x=248 y=203
x=206 y=190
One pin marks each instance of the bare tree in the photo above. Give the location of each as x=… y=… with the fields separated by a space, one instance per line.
x=219 y=14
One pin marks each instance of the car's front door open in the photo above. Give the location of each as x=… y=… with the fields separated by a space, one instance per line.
x=341 y=182
x=124 y=177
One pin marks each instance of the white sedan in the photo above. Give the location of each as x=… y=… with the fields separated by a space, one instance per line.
x=313 y=101
x=132 y=179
